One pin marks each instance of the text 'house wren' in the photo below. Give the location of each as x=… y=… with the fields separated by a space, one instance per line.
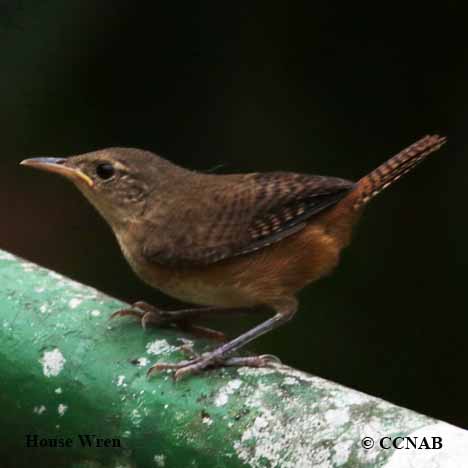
x=225 y=242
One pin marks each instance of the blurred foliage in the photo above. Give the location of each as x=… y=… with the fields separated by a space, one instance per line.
x=298 y=86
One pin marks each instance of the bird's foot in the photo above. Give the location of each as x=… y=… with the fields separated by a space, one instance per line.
x=198 y=363
x=146 y=313
x=150 y=315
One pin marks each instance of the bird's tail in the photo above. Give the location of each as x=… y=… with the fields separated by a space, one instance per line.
x=390 y=171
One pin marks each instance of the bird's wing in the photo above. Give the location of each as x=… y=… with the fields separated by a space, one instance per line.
x=246 y=214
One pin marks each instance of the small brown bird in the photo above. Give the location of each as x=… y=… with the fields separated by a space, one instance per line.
x=227 y=242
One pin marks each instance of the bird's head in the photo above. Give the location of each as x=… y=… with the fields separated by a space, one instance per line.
x=117 y=181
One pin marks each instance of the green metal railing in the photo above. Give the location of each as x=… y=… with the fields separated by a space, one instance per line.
x=69 y=377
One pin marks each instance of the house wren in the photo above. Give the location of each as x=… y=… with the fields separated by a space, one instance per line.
x=226 y=242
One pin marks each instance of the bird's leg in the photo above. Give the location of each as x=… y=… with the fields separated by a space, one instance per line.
x=220 y=357
x=151 y=315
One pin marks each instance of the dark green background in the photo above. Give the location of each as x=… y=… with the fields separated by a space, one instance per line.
x=299 y=86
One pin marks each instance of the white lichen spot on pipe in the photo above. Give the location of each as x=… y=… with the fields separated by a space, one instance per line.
x=160 y=460
x=290 y=381
x=39 y=409
x=142 y=362
x=136 y=417
x=342 y=451
x=223 y=395
x=121 y=381
x=74 y=302
x=52 y=362
x=160 y=347
x=207 y=420
x=337 y=417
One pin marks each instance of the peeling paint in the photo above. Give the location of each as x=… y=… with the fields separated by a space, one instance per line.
x=58 y=390
x=95 y=313
x=61 y=409
x=52 y=362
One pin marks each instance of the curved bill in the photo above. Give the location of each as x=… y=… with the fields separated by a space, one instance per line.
x=57 y=166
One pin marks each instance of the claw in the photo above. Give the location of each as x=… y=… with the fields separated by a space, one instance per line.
x=160 y=366
x=146 y=313
x=149 y=317
x=126 y=313
x=145 y=316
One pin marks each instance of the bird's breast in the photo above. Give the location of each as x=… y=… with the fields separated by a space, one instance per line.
x=193 y=285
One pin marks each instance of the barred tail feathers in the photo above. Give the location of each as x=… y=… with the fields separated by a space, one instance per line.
x=397 y=166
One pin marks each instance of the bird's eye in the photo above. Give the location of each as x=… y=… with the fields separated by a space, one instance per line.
x=105 y=170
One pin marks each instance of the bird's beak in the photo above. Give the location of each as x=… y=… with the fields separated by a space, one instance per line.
x=57 y=166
